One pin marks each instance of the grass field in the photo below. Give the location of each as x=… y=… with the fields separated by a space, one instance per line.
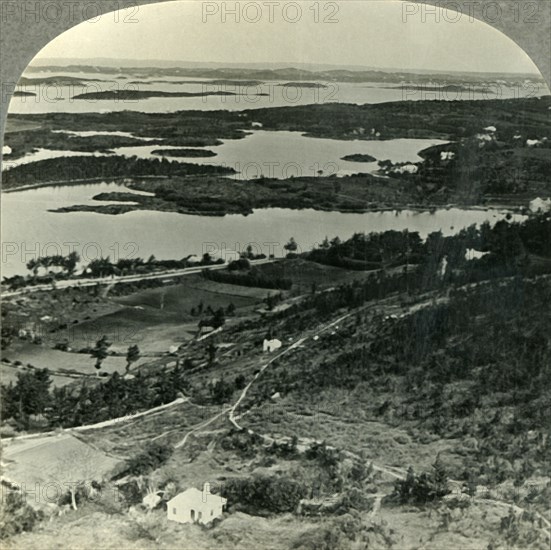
x=304 y=273
x=54 y=360
x=181 y=298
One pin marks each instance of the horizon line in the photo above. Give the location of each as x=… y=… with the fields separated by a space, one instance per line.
x=266 y=64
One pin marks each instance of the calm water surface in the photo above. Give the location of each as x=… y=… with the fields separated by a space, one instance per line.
x=28 y=227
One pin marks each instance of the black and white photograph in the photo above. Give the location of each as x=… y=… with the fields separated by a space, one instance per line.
x=276 y=275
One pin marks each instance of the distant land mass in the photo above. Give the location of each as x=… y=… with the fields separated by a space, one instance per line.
x=189 y=153
x=146 y=94
x=359 y=157
x=304 y=84
x=20 y=93
x=125 y=63
x=294 y=74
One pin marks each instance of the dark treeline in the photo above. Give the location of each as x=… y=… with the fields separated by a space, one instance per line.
x=371 y=251
x=30 y=399
x=91 y=167
x=103 y=267
x=99 y=267
x=251 y=278
x=506 y=242
x=515 y=249
x=478 y=167
x=413 y=119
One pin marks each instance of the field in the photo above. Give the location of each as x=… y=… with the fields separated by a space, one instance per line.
x=56 y=360
x=153 y=318
x=55 y=459
x=181 y=298
x=304 y=274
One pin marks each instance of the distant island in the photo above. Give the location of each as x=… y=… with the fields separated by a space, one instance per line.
x=197 y=153
x=56 y=81
x=128 y=95
x=359 y=157
x=20 y=93
x=456 y=88
x=304 y=84
x=223 y=82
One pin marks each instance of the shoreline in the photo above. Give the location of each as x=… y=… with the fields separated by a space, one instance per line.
x=517 y=207
x=67 y=183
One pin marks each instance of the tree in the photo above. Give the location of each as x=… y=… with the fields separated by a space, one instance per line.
x=440 y=477
x=221 y=391
x=30 y=395
x=291 y=246
x=132 y=355
x=33 y=265
x=211 y=349
x=16 y=515
x=154 y=455
x=101 y=267
x=77 y=470
x=100 y=351
x=70 y=262
x=219 y=318
x=62 y=410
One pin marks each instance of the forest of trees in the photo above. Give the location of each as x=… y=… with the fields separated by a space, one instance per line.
x=74 y=405
x=99 y=267
x=510 y=244
x=474 y=367
x=91 y=167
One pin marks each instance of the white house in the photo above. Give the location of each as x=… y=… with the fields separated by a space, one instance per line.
x=193 y=260
x=406 y=168
x=271 y=345
x=194 y=506
x=473 y=254
x=540 y=205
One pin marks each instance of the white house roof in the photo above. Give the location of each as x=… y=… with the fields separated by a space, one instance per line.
x=196 y=497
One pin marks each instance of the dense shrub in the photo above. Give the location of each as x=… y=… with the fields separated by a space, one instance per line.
x=259 y=494
x=154 y=455
x=16 y=515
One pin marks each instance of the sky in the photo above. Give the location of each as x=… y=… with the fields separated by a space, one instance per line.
x=368 y=33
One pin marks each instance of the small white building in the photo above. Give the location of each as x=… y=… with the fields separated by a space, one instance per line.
x=473 y=254
x=271 y=345
x=407 y=168
x=193 y=260
x=540 y=205
x=194 y=506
